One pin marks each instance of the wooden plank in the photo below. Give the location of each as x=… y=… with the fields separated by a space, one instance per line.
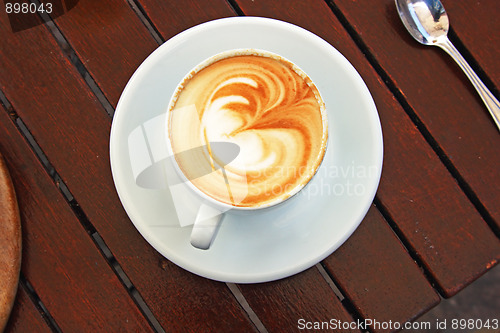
x=25 y=317
x=96 y=30
x=453 y=113
x=59 y=259
x=416 y=189
x=469 y=21
x=116 y=21
x=60 y=105
x=183 y=15
x=380 y=280
x=298 y=302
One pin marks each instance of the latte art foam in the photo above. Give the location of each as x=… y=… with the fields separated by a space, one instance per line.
x=266 y=106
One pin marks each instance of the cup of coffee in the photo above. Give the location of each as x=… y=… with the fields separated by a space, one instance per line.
x=248 y=130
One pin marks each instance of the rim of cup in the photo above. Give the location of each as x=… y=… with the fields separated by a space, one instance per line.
x=229 y=54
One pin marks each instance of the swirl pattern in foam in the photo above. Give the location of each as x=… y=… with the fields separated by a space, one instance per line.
x=265 y=105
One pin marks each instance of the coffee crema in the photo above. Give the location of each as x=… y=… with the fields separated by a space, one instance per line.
x=265 y=105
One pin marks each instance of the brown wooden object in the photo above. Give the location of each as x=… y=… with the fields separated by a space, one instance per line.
x=10 y=243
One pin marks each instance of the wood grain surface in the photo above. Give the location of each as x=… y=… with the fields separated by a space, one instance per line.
x=482 y=42
x=60 y=260
x=10 y=243
x=285 y=305
x=188 y=13
x=380 y=280
x=25 y=317
x=453 y=115
x=110 y=41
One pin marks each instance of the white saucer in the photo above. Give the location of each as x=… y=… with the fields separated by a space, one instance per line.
x=305 y=229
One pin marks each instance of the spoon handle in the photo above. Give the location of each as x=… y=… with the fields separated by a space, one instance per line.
x=489 y=100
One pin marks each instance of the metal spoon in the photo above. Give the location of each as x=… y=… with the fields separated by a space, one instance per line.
x=427 y=22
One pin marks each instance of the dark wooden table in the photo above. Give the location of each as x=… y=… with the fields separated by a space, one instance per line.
x=432 y=230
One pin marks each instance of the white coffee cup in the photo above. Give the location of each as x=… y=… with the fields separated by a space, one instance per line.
x=211 y=210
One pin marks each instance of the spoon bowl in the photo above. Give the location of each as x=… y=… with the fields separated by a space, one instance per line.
x=427 y=22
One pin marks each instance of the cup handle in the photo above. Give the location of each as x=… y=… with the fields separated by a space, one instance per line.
x=205 y=227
